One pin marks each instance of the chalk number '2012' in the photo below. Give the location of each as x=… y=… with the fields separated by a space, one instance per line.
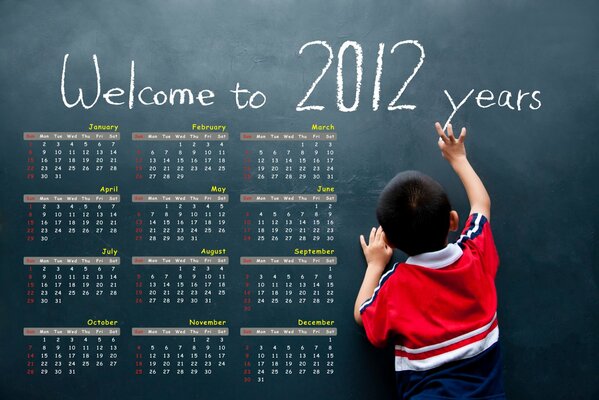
x=301 y=106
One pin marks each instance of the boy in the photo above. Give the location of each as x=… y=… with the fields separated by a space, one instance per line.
x=439 y=307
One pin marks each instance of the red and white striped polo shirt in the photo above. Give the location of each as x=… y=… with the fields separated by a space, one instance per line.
x=440 y=306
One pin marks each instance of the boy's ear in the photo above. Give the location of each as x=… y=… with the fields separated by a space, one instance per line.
x=454 y=221
x=387 y=242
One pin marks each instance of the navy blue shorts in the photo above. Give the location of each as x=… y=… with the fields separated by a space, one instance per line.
x=479 y=377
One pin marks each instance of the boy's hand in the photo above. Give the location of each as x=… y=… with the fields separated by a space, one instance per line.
x=452 y=148
x=377 y=252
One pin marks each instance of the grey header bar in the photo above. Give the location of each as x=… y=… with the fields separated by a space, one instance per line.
x=288 y=260
x=71 y=136
x=86 y=331
x=180 y=331
x=287 y=136
x=288 y=198
x=162 y=260
x=179 y=136
x=180 y=198
x=71 y=198
x=295 y=331
x=72 y=261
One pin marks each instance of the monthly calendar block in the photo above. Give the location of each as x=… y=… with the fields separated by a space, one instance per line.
x=180 y=280
x=179 y=217
x=56 y=156
x=289 y=156
x=181 y=351
x=70 y=351
x=289 y=218
x=286 y=283
x=70 y=216
x=180 y=156
x=282 y=354
x=72 y=280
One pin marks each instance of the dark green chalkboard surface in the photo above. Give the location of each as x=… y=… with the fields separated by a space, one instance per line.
x=522 y=76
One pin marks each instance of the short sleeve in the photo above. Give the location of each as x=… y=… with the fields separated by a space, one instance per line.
x=478 y=238
x=377 y=313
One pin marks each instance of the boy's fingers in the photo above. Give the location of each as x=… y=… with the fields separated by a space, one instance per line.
x=450 y=132
x=438 y=128
x=363 y=242
x=440 y=132
x=372 y=233
x=462 y=135
x=441 y=143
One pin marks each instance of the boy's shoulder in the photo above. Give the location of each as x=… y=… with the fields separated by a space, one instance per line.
x=477 y=224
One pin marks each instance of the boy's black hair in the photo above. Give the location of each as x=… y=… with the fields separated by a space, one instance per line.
x=413 y=211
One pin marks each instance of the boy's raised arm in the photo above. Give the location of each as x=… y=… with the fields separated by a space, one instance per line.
x=454 y=152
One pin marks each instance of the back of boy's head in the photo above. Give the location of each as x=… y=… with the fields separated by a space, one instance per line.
x=413 y=210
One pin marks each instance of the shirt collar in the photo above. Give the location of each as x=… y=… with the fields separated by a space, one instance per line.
x=437 y=259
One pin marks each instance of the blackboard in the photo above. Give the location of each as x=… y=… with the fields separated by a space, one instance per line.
x=528 y=78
